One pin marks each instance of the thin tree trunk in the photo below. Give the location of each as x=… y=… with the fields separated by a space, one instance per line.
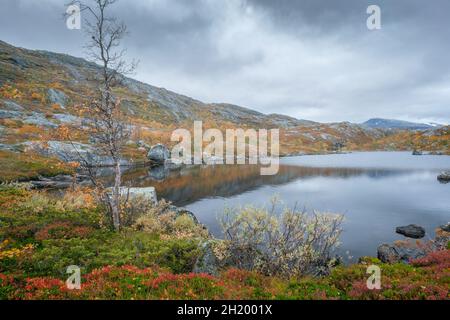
x=116 y=196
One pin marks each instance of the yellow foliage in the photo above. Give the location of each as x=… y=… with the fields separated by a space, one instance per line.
x=14 y=252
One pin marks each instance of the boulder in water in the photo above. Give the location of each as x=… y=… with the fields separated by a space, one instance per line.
x=411 y=231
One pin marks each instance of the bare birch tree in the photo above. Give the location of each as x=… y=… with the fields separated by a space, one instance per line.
x=108 y=129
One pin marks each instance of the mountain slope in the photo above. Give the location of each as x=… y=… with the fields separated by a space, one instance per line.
x=41 y=92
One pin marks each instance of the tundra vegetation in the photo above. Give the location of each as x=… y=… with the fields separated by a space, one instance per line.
x=154 y=255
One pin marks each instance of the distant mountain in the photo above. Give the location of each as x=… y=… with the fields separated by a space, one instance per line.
x=379 y=123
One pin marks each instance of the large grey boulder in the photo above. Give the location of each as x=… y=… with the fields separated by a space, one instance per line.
x=411 y=231
x=159 y=154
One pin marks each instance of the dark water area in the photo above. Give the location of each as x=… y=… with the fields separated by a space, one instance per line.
x=375 y=191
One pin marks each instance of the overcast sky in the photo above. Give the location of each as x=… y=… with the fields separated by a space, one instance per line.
x=311 y=59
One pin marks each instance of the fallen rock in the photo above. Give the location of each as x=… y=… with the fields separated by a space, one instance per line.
x=159 y=154
x=411 y=231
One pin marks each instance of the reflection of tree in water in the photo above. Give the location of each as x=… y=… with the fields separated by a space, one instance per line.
x=191 y=184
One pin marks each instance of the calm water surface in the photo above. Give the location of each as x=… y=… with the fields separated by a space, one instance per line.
x=376 y=191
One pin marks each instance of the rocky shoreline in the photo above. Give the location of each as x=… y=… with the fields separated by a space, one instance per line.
x=407 y=250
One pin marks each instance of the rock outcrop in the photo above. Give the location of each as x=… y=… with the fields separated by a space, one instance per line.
x=407 y=250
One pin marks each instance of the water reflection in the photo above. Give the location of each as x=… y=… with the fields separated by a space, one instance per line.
x=188 y=185
x=375 y=191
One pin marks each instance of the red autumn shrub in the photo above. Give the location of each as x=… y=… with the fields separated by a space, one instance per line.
x=63 y=230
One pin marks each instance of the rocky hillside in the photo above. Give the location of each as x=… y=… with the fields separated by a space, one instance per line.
x=41 y=93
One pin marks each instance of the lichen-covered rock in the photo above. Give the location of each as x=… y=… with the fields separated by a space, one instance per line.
x=159 y=154
x=412 y=231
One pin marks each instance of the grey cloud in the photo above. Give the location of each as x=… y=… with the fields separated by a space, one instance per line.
x=310 y=59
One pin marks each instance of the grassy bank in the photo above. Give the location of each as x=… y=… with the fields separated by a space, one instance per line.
x=40 y=237
x=26 y=166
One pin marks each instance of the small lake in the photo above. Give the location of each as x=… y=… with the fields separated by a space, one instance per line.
x=376 y=191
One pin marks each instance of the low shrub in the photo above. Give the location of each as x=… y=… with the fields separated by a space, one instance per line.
x=290 y=244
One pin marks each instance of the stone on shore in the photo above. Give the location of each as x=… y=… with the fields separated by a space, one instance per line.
x=159 y=154
x=394 y=253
